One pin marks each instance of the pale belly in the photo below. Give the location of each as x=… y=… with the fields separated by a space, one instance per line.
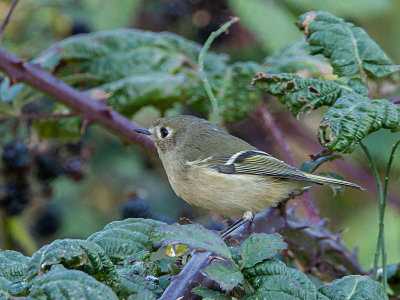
x=231 y=194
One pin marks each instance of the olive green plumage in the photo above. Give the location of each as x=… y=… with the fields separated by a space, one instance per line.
x=210 y=168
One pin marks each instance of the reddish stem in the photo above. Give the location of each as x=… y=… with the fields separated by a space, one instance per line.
x=90 y=109
x=395 y=100
x=7 y=18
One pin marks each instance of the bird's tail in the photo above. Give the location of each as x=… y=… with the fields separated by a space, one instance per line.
x=329 y=180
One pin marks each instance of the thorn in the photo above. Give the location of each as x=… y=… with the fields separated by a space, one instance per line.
x=336 y=236
x=324 y=237
x=19 y=64
x=298 y=228
x=106 y=111
x=291 y=209
x=354 y=253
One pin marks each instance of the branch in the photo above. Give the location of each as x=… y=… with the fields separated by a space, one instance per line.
x=90 y=109
x=319 y=250
x=7 y=18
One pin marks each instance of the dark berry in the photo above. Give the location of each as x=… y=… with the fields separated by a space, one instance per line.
x=135 y=208
x=15 y=155
x=74 y=148
x=13 y=198
x=47 y=167
x=79 y=27
x=73 y=168
x=48 y=221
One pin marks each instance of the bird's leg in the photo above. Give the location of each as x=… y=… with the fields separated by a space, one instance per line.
x=247 y=216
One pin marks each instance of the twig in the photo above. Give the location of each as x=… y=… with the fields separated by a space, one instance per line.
x=90 y=109
x=214 y=116
x=7 y=18
x=268 y=123
x=395 y=100
x=382 y=204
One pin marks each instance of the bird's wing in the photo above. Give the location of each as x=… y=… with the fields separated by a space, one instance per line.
x=255 y=162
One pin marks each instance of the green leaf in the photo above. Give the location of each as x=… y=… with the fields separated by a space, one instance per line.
x=352 y=118
x=60 y=283
x=4 y=288
x=13 y=265
x=139 y=68
x=259 y=247
x=349 y=48
x=311 y=166
x=353 y=287
x=7 y=91
x=272 y=279
x=143 y=295
x=207 y=293
x=121 y=239
x=302 y=94
x=226 y=273
x=194 y=236
x=295 y=57
x=81 y=254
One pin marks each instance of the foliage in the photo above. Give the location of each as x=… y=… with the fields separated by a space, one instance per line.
x=91 y=268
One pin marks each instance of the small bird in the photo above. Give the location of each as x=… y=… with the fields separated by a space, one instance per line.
x=210 y=168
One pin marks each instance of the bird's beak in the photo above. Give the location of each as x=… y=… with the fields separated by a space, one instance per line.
x=142 y=131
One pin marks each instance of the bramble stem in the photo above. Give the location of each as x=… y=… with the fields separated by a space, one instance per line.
x=7 y=18
x=214 y=115
x=380 y=246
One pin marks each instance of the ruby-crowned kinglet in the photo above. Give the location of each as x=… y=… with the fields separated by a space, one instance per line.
x=210 y=168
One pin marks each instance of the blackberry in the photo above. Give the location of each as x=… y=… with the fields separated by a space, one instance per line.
x=135 y=208
x=13 y=198
x=73 y=168
x=48 y=221
x=47 y=167
x=15 y=155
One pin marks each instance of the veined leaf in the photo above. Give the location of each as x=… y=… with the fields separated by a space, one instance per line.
x=4 y=288
x=13 y=265
x=353 y=287
x=139 y=68
x=143 y=295
x=349 y=48
x=272 y=279
x=302 y=94
x=210 y=294
x=193 y=235
x=295 y=57
x=78 y=254
x=121 y=239
x=60 y=283
x=259 y=247
x=353 y=117
x=226 y=273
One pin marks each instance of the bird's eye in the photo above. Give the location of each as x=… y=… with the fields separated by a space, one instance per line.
x=164 y=132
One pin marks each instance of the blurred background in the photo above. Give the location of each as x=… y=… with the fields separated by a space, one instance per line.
x=73 y=189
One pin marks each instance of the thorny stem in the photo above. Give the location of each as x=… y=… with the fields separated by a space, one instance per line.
x=7 y=18
x=382 y=204
x=395 y=100
x=214 y=116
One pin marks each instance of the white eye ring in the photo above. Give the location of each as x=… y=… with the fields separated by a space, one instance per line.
x=163 y=132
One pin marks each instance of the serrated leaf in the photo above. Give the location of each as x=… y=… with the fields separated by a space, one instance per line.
x=295 y=57
x=352 y=118
x=7 y=91
x=13 y=265
x=4 y=288
x=66 y=129
x=310 y=166
x=207 y=293
x=353 y=287
x=139 y=68
x=121 y=239
x=138 y=276
x=194 y=236
x=272 y=279
x=261 y=246
x=143 y=295
x=302 y=94
x=60 y=283
x=77 y=254
x=226 y=273
x=349 y=48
